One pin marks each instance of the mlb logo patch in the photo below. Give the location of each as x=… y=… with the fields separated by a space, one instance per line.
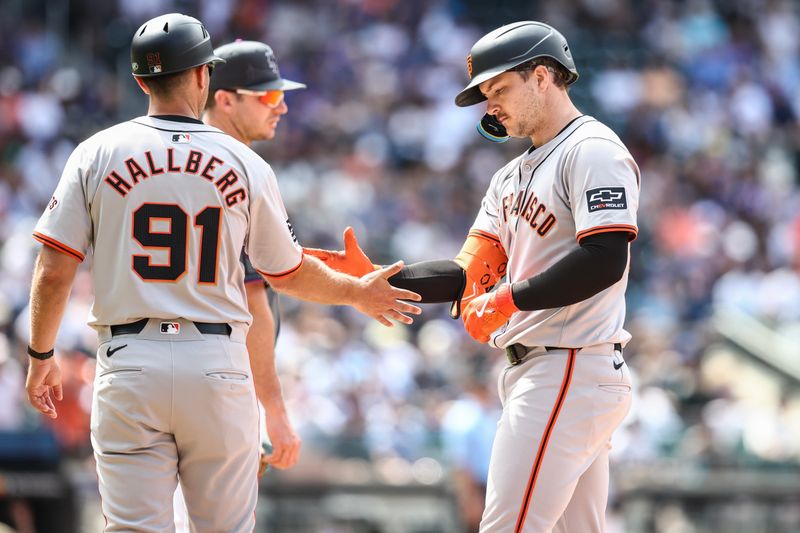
x=170 y=328
x=181 y=138
x=154 y=62
x=606 y=198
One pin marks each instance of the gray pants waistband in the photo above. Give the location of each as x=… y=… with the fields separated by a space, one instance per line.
x=519 y=353
x=174 y=329
x=134 y=328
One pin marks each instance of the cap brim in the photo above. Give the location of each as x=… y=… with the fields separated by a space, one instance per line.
x=471 y=94
x=276 y=85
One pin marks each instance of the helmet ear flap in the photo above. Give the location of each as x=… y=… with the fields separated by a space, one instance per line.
x=490 y=128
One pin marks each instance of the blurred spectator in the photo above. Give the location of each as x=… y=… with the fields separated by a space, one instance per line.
x=12 y=389
x=706 y=94
x=468 y=426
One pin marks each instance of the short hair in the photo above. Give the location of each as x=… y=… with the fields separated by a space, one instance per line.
x=560 y=74
x=163 y=86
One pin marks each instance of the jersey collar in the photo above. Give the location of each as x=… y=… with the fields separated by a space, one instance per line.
x=178 y=118
x=577 y=121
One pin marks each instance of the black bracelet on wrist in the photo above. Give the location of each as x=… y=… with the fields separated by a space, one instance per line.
x=40 y=355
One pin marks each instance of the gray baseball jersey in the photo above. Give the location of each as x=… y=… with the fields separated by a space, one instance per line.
x=582 y=182
x=160 y=252
x=549 y=465
x=167 y=204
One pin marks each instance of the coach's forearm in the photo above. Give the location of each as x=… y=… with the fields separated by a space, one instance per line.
x=315 y=282
x=53 y=275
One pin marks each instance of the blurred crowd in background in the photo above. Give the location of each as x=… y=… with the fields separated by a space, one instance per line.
x=706 y=95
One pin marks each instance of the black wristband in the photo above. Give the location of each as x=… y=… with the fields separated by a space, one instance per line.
x=40 y=355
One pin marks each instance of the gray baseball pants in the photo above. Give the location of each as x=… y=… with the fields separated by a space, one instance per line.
x=177 y=402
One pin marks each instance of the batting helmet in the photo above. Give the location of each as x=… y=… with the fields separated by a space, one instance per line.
x=249 y=65
x=510 y=46
x=170 y=43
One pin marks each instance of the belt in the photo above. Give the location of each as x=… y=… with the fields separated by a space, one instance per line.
x=519 y=353
x=134 y=328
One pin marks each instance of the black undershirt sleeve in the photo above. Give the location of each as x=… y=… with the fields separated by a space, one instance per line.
x=436 y=281
x=595 y=265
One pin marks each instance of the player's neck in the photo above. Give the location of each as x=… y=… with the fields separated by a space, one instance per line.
x=563 y=115
x=173 y=107
x=228 y=126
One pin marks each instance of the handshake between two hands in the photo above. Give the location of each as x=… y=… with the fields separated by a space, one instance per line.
x=482 y=315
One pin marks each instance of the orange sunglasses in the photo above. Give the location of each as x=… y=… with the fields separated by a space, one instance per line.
x=271 y=99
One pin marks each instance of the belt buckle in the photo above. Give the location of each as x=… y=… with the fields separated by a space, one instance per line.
x=516 y=353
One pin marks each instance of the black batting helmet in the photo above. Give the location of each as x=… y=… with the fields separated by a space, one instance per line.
x=510 y=46
x=170 y=43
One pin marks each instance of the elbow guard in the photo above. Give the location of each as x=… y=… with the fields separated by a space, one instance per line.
x=484 y=262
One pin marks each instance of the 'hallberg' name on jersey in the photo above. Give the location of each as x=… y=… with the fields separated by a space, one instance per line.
x=136 y=172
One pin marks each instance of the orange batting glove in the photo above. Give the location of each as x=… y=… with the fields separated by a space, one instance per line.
x=485 y=314
x=352 y=260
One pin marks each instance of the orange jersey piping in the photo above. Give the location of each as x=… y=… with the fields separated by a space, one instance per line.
x=61 y=247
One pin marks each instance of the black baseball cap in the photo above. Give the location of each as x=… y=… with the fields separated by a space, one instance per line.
x=249 y=65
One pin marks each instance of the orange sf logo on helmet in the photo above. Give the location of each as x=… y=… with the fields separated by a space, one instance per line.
x=469 y=65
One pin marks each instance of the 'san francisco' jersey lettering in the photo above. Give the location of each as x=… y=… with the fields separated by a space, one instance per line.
x=535 y=214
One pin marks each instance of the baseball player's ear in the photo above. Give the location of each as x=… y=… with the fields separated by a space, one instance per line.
x=201 y=76
x=142 y=86
x=541 y=75
x=223 y=98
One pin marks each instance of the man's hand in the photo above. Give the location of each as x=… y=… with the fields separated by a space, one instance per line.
x=285 y=444
x=352 y=260
x=486 y=313
x=378 y=299
x=43 y=385
x=371 y=294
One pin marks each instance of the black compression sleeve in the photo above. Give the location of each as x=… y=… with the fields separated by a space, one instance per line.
x=597 y=264
x=436 y=281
